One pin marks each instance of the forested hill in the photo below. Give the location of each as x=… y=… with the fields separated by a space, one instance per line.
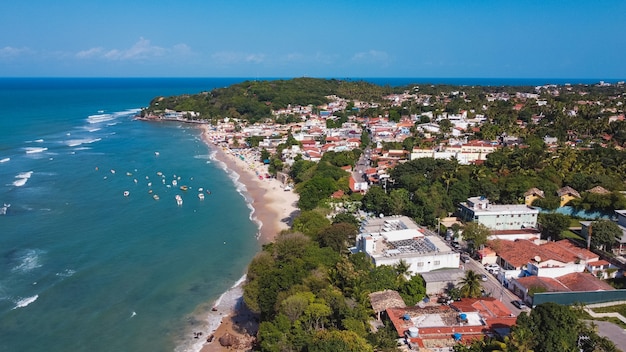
x=254 y=100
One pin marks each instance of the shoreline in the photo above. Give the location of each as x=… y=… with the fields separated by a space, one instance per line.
x=273 y=209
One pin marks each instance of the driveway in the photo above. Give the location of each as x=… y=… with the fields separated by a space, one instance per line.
x=611 y=332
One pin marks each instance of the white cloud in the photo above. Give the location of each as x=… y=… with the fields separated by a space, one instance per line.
x=371 y=56
x=143 y=49
x=89 y=53
x=230 y=57
x=9 y=52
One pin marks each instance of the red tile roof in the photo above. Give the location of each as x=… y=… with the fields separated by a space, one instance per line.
x=584 y=282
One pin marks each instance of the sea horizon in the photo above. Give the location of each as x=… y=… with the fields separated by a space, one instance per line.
x=392 y=81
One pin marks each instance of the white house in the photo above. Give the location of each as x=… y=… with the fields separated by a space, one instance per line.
x=387 y=240
x=498 y=217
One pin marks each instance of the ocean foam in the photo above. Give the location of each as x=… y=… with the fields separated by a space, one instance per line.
x=66 y=273
x=77 y=142
x=28 y=261
x=22 y=178
x=99 y=118
x=33 y=150
x=221 y=309
x=25 y=301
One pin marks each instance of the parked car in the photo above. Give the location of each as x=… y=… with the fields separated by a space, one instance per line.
x=465 y=258
x=519 y=304
x=492 y=268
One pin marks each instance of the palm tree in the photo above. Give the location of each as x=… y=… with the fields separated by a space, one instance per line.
x=470 y=285
x=402 y=270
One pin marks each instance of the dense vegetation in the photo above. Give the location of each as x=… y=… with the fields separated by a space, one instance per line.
x=311 y=296
x=253 y=100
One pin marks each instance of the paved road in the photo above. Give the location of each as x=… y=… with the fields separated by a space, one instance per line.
x=493 y=287
x=612 y=332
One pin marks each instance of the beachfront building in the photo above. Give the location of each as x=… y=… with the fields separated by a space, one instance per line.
x=498 y=217
x=441 y=327
x=387 y=240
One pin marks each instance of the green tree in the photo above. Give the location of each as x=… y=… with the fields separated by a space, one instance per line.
x=339 y=340
x=337 y=236
x=445 y=126
x=413 y=290
x=553 y=327
x=470 y=285
x=604 y=233
x=310 y=222
x=347 y=218
x=476 y=234
x=552 y=225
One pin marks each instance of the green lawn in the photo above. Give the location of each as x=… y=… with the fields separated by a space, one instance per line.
x=621 y=309
x=574 y=222
x=570 y=234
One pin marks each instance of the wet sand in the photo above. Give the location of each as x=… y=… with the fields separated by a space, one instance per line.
x=275 y=208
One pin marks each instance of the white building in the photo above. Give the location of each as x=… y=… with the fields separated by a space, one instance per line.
x=498 y=217
x=387 y=240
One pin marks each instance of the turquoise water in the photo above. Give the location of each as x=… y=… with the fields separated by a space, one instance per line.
x=83 y=267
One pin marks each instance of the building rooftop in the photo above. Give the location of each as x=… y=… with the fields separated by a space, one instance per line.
x=388 y=223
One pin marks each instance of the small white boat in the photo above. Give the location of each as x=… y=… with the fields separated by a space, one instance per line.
x=112 y=171
x=126 y=193
x=149 y=184
x=201 y=196
x=156 y=197
x=156 y=153
x=179 y=200
x=174 y=182
x=200 y=189
x=3 y=210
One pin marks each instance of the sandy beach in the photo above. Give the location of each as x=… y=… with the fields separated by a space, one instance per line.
x=275 y=209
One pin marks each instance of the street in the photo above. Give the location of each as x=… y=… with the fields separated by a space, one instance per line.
x=493 y=287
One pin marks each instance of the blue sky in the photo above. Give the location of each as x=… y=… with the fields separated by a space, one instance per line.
x=342 y=39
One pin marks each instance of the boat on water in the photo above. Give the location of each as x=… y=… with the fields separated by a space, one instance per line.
x=201 y=196
x=126 y=193
x=184 y=188
x=174 y=182
x=179 y=199
x=4 y=209
x=156 y=197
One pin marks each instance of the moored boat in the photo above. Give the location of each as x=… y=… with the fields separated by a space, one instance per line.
x=179 y=199
x=201 y=196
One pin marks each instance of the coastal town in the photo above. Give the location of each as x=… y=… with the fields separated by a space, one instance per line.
x=487 y=258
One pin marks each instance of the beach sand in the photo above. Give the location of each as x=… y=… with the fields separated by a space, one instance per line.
x=275 y=208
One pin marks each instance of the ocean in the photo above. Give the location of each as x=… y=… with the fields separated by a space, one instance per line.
x=84 y=267
x=89 y=260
